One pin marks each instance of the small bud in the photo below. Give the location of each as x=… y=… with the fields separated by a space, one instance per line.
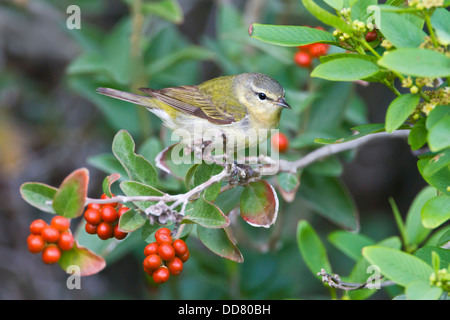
x=414 y=89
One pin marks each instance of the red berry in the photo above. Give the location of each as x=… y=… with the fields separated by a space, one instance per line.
x=151 y=248
x=104 y=197
x=319 y=49
x=303 y=59
x=90 y=228
x=105 y=230
x=306 y=47
x=152 y=262
x=185 y=256
x=51 y=254
x=175 y=266
x=163 y=238
x=37 y=225
x=109 y=214
x=166 y=251
x=65 y=241
x=119 y=234
x=180 y=247
x=122 y=211
x=161 y=275
x=50 y=234
x=61 y=223
x=35 y=243
x=162 y=231
x=371 y=36
x=95 y=206
x=280 y=142
x=93 y=216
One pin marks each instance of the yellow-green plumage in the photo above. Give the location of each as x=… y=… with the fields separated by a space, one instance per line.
x=231 y=105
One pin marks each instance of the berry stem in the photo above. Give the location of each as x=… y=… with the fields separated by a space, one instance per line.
x=430 y=28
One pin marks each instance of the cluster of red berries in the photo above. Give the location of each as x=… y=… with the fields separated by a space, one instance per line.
x=305 y=54
x=102 y=219
x=165 y=257
x=50 y=239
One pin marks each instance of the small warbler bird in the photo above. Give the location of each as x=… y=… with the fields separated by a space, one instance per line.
x=236 y=107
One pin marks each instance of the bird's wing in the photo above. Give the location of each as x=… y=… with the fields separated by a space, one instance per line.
x=193 y=101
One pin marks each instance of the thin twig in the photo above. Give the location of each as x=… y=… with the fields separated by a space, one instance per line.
x=331 y=149
x=336 y=282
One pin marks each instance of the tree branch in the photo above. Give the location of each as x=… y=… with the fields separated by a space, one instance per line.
x=331 y=149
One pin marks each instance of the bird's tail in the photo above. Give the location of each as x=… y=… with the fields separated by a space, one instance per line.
x=126 y=96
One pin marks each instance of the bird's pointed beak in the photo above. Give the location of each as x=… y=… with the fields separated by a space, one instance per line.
x=282 y=103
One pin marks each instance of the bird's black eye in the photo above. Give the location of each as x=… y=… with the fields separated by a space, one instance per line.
x=262 y=96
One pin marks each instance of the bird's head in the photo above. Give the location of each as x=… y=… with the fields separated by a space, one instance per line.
x=260 y=93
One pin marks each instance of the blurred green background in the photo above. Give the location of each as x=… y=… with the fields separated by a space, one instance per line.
x=52 y=122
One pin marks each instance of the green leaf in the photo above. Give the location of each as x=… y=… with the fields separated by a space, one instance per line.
x=107 y=183
x=436 y=211
x=87 y=261
x=205 y=214
x=290 y=36
x=421 y=290
x=219 y=242
x=350 y=243
x=326 y=17
x=439 y=134
x=359 y=9
x=131 y=220
x=134 y=188
x=137 y=167
x=70 y=198
x=441 y=23
x=259 y=204
x=335 y=4
x=330 y=198
x=362 y=271
x=418 y=135
x=437 y=163
x=436 y=115
x=169 y=10
x=311 y=248
x=398 y=266
x=417 y=62
x=39 y=195
x=400 y=31
x=416 y=233
x=202 y=174
x=399 y=110
x=437 y=257
x=288 y=184
x=440 y=179
x=345 y=69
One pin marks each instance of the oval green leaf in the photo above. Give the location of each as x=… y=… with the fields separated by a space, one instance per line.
x=311 y=248
x=259 y=204
x=70 y=198
x=345 y=69
x=436 y=211
x=398 y=266
x=399 y=110
x=219 y=242
x=289 y=36
x=87 y=261
x=39 y=195
x=417 y=62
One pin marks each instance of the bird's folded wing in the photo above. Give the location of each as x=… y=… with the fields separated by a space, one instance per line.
x=190 y=100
